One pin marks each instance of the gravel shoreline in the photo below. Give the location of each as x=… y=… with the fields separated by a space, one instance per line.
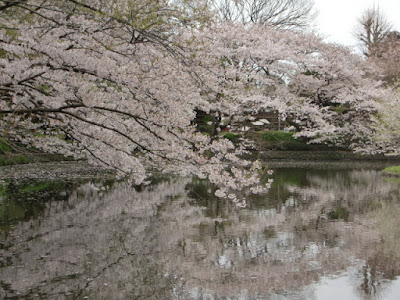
x=54 y=170
x=83 y=170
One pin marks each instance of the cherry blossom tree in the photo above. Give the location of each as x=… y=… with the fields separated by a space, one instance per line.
x=386 y=58
x=323 y=89
x=386 y=135
x=119 y=82
x=96 y=69
x=115 y=82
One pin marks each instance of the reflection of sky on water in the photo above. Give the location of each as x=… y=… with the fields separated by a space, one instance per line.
x=343 y=287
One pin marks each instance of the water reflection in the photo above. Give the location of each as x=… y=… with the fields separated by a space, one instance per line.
x=316 y=232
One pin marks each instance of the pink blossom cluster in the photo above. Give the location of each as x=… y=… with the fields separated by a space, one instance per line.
x=118 y=83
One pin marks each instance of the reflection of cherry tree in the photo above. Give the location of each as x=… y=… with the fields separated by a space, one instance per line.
x=292 y=244
x=165 y=242
x=371 y=203
x=97 y=242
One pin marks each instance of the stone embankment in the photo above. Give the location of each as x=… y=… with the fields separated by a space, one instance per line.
x=340 y=160
x=323 y=155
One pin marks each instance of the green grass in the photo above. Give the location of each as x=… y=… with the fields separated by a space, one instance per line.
x=35 y=187
x=393 y=170
x=15 y=159
x=281 y=140
x=234 y=138
x=204 y=128
x=18 y=159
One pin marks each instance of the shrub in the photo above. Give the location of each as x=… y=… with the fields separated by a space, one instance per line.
x=278 y=136
x=282 y=140
x=204 y=128
x=233 y=137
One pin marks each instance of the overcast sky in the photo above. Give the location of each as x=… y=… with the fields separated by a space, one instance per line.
x=337 y=18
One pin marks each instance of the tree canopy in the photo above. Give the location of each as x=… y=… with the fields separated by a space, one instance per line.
x=118 y=82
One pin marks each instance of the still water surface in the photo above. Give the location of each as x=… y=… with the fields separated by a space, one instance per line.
x=319 y=233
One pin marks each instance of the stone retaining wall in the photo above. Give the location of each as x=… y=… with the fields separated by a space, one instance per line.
x=322 y=155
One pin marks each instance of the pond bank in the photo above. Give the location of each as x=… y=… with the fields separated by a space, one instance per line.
x=306 y=155
x=9 y=158
x=328 y=164
x=323 y=155
x=54 y=170
x=51 y=166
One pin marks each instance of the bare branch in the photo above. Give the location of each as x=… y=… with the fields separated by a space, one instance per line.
x=286 y=14
x=372 y=29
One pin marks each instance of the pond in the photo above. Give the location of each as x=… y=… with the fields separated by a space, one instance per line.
x=322 y=231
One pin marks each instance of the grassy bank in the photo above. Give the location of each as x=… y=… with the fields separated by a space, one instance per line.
x=392 y=171
x=282 y=141
x=17 y=154
x=20 y=158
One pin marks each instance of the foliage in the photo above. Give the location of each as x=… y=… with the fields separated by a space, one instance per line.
x=233 y=137
x=4 y=146
x=281 y=140
x=14 y=159
x=204 y=128
x=21 y=158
